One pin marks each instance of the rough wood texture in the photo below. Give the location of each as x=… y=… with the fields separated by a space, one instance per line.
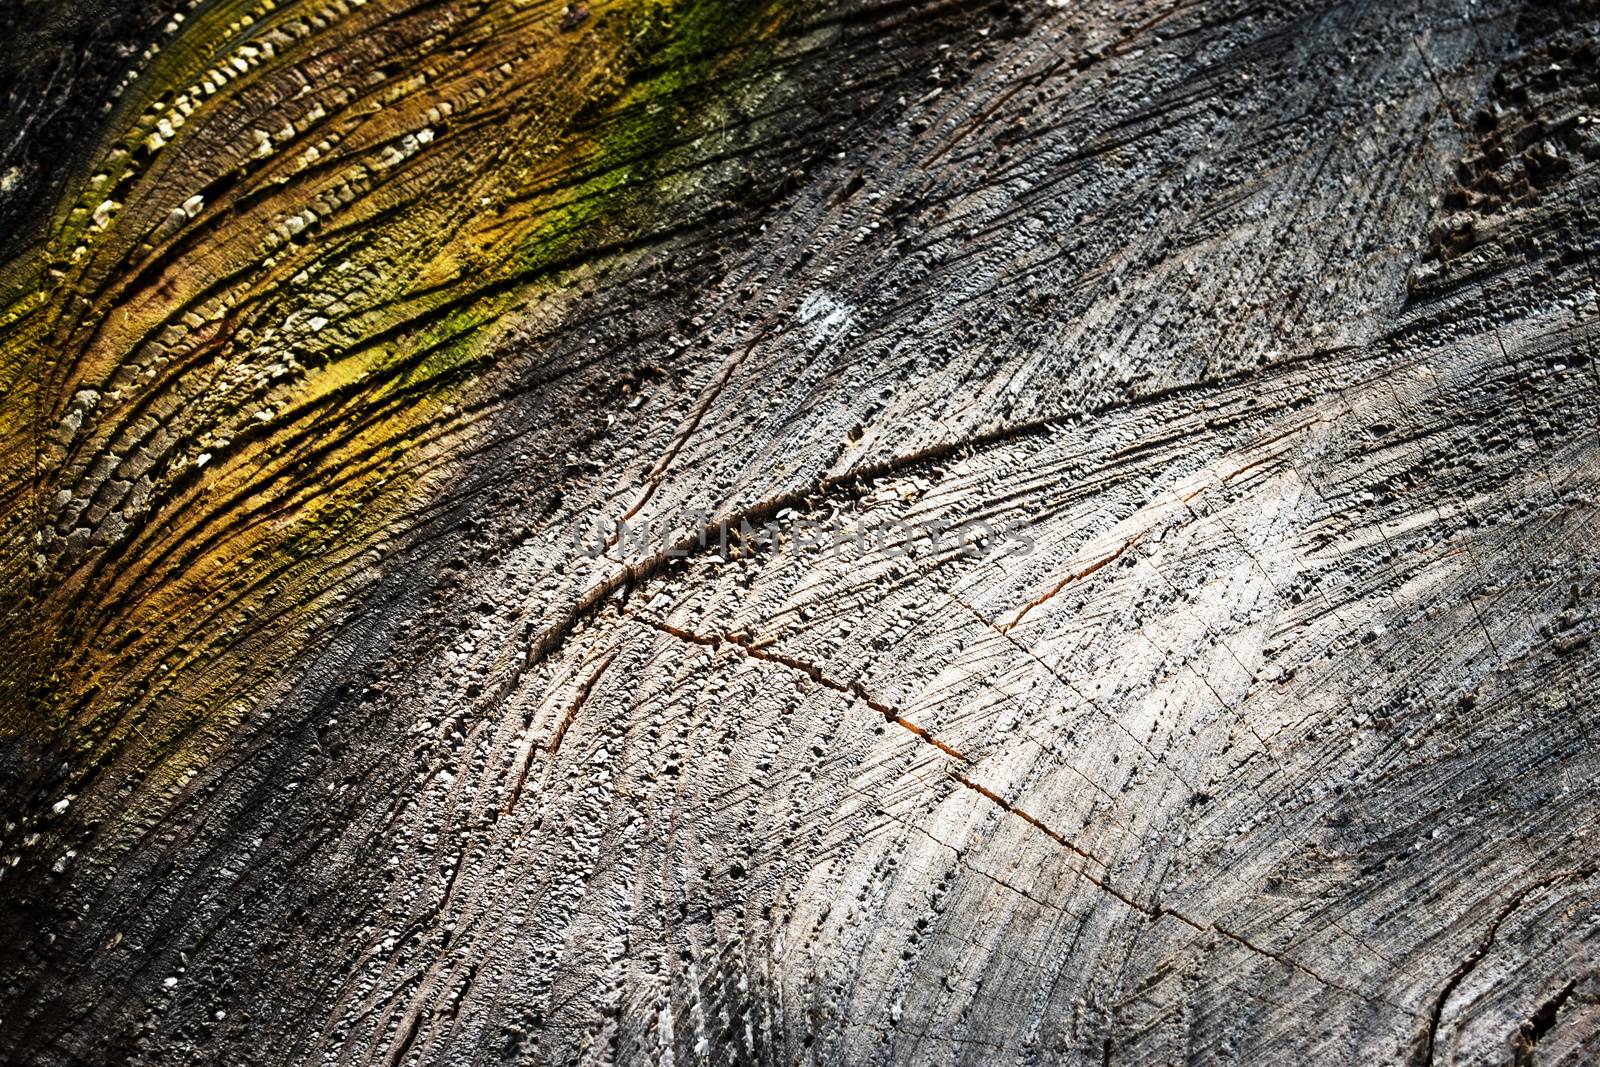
x=1262 y=336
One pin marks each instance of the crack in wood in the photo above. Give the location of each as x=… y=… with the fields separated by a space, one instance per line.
x=1423 y=1053
x=757 y=651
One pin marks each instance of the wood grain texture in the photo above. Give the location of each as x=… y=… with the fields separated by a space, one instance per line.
x=1260 y=728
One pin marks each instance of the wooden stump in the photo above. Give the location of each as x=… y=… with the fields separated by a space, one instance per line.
x=846 y=531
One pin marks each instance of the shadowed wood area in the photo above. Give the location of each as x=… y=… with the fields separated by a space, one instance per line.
x=799 y=531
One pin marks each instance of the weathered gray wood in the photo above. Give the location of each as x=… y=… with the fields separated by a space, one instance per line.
x=1262 y=731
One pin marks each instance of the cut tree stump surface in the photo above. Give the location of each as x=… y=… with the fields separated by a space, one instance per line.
x=1159 y=450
